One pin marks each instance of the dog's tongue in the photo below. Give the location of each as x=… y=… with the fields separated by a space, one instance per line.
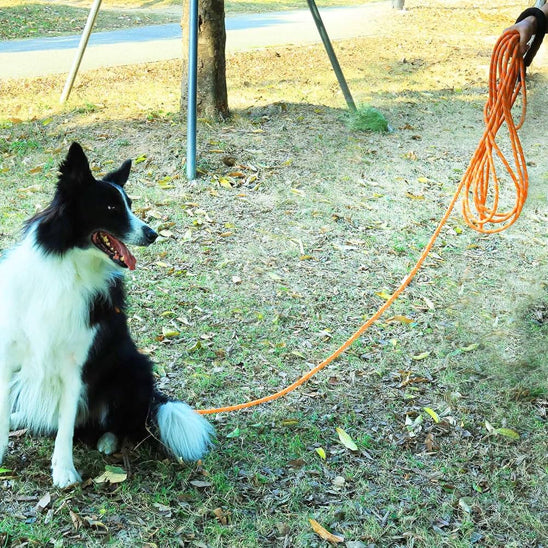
x=124 y=252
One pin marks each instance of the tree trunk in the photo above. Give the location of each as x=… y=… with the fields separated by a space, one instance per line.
x=212 y=101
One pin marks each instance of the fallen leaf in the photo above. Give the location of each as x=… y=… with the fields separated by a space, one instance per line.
x=112 y=474
x=421 y=356
x=164 y=510
x=30 y=189
x=199 y=484
x=466 y=504
x=166 y=182
x=321 y=452
x=196 y=346
x=429 y=442
x=170 y=333
x=433 y=414
x=229 y=161
x=401 y=319
x=221 y=515
x=414 y=196
x=346 y=440
x=470 y=347
x=383 y=295
x=92 y=522
x=508 y=433
x=296 y=463
x=324 y=533
x=43 y=503
x=234 y=434
x=77 y=521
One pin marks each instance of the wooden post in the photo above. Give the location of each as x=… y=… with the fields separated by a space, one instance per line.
x=81 y=48
x=331 y=54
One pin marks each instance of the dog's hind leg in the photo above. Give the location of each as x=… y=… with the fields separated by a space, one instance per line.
x=4 y=412
x=108 y=443
x=6 y=372
x=62 y=465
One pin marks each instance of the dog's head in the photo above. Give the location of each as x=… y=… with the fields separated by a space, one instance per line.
x=89 y=213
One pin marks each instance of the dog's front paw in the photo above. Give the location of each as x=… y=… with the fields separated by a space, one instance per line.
x=65 y=476
x=3 y=450
x=108 y=443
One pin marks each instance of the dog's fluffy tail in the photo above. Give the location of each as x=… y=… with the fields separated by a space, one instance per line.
x=185 y=433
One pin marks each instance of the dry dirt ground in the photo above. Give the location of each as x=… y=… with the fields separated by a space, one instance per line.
x=294 y=233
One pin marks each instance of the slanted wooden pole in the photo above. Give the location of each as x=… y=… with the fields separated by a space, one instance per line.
x=81 y=48
x=331 y=54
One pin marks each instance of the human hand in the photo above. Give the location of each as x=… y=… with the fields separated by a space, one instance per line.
x=526 y=29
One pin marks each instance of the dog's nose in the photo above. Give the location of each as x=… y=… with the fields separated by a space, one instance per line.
x=150 y=235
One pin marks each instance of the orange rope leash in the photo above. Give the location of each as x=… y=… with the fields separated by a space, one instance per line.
x=506 y=82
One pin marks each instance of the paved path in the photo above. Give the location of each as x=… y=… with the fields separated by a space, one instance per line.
x=39 y=57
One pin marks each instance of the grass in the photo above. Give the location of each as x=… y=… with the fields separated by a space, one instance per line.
x=30 y=19
x=271 y=263
x=36 y=20
x=367 y=118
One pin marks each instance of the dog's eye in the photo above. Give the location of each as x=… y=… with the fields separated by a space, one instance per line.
x=112 y=208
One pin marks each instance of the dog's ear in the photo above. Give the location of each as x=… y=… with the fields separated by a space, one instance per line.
x=74 y=169
x=120 y=176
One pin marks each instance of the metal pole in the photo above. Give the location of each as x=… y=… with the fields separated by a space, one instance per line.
x=81 y=48
x=192 y=90
x=331 y=53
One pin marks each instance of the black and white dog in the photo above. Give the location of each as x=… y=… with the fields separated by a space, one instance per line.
x=67 y=360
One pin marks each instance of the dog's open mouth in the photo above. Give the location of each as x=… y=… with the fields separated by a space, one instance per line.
x=114 y=248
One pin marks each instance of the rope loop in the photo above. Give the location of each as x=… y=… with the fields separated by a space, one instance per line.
x=480 y=205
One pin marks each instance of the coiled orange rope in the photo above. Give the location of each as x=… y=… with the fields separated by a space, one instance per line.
x=506 y=82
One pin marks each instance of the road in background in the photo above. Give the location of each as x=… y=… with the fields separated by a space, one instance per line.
x=43 y=56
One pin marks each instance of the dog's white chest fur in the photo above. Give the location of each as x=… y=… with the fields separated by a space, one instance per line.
x=44 y=320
